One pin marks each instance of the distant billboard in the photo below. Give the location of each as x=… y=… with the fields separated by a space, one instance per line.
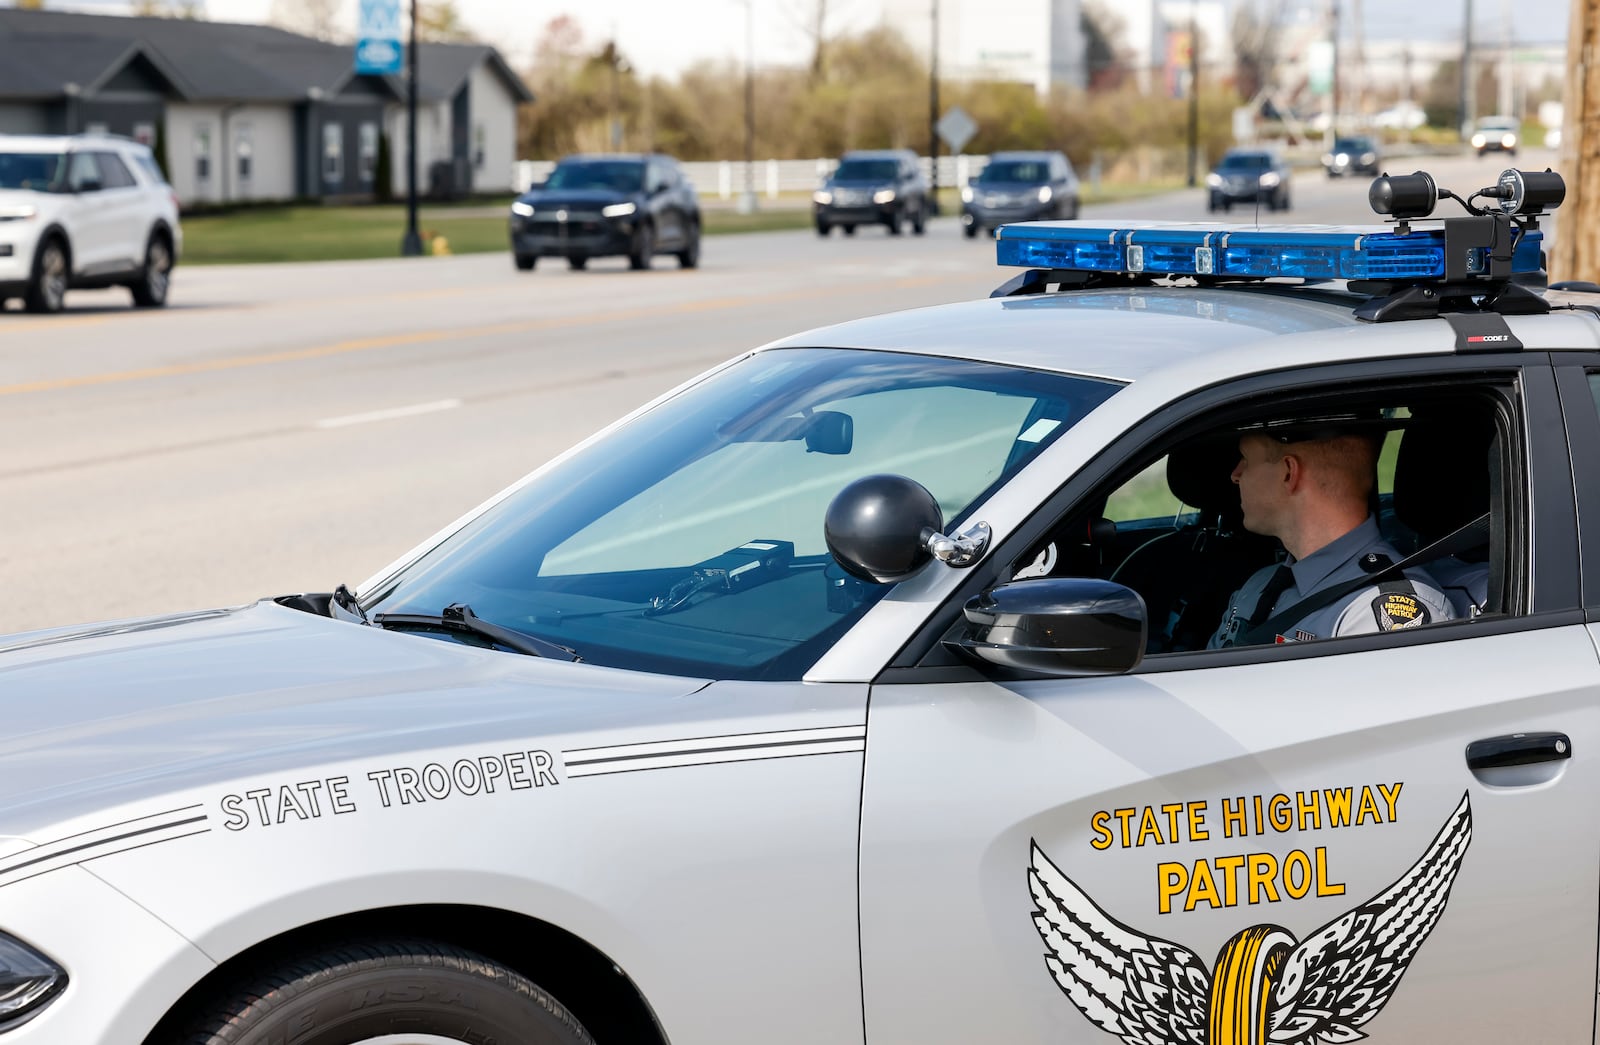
x=378 y=48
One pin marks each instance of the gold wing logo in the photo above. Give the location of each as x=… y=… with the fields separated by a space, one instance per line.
x=1266 y=988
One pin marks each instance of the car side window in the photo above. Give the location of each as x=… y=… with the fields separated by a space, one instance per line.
x=114 y=174
x=1173 y=528
x=83 y=174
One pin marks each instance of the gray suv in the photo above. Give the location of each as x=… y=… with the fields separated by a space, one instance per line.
x=873 y=187
x=1019 y=186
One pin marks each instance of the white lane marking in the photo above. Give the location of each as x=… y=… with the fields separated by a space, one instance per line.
x=389 y=415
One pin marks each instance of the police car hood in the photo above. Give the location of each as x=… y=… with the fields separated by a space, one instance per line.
x=116 y=713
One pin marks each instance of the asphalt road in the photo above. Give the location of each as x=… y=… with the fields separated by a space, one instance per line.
x=285 y=428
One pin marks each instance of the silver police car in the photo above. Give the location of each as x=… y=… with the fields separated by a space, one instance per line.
x=858 y=690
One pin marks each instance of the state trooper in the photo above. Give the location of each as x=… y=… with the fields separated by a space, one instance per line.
x=1310 y=485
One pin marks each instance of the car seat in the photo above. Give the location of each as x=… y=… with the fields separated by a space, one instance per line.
x=1442 y=481
x=1187 y=575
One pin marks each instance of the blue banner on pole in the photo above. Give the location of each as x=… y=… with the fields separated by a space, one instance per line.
x=378 y=48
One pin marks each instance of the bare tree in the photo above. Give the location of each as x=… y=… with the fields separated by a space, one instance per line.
x=439 y=21
x=315 y=18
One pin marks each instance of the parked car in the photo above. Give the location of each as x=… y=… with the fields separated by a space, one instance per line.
x=1497 y=134
x=1352 y=155
x=84 y=211
x=873 y=187
x=1249 y=175
x=1019 y=186
x=592 y=206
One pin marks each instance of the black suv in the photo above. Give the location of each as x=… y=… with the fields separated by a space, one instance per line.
x=1357 y=155
x=871 y=187
x=1249 y=176
x=594 y=206
x=1019 y=186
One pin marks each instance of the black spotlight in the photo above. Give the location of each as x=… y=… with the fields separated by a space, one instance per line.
x=1404 y=196
x=1530 y=192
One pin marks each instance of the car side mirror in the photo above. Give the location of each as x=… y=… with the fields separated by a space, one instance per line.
x=884 y=528
x=89 y=185
x=1062 y=626
x=830 y=432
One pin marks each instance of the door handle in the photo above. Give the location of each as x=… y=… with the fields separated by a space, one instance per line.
x=1518 y=749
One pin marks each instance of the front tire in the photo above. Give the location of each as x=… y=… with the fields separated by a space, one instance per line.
x=970 y=231
x=689 y=257
x=919 y=221
x=893 y=221
x=155 y=279
x=577 y=264
x=359 y=992
x=644 y=248
x=849 y=230
x=47 y=290
x=823 y=228
x=526 y=262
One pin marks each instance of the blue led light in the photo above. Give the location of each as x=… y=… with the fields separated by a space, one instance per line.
x=1374 y=252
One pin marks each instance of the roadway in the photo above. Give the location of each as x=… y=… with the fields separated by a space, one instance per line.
x=285 y=428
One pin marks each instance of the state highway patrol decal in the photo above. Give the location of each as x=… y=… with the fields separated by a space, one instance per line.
x=1266 y=988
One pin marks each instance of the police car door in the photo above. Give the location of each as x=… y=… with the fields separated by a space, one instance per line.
x=1391 y=836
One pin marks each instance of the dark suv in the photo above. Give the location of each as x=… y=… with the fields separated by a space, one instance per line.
x=1019 y=186
x=1249 y=176
x=593 y=206
x=1357 y=155
x=871 y=187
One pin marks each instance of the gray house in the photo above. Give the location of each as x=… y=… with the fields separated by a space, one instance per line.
x=250 y=112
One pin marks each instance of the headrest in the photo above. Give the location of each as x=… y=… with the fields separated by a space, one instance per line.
x=1200 y=474
x=1441 y=475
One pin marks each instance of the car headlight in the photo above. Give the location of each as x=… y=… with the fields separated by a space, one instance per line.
x=1045 y=194
x=1214 y=180
x=618 y=210
x=22 y=212
x=1509 y=141
x=522 y=210
x=1270 y=180
x=1479 y=141
x=822 y=196
x=883 y=196
x=1369 y=158
x=1342 y=158
x=28 y=981
x=966 y=194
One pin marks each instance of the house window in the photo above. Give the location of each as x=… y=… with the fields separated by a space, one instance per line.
x=369 y=152
x=332 y=153
x=202 y=152
x=243 y=152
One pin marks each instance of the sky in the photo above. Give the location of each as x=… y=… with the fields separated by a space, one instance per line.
x=664 y=38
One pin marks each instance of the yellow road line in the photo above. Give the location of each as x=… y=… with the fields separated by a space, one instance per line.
x=368 y=344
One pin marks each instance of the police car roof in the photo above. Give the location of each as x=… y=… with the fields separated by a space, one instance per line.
x=60 y=142
x=1131 y=333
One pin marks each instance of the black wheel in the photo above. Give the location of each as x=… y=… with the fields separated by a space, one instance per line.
x=849 y=230
x=893 y=221
x=47 y=289
x=644 y=247
x=577 y=264
x=156 y=277
x=525 y=262
x=823 y=228
x=919 y=221
x=360 y=993
x=689 y=257
x=970 y=231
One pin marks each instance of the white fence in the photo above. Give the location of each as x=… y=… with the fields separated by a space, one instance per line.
x=728 y=178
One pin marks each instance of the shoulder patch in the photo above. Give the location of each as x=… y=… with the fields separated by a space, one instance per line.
x=1396 y=610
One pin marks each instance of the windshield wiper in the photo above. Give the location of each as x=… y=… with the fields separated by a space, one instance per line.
x=458 y=616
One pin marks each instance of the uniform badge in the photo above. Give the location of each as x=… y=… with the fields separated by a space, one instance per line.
x=1396 y=610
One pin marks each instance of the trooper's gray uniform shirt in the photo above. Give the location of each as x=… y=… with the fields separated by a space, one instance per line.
x=1363 y=611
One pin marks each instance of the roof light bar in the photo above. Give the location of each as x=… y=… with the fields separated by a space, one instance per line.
x=1372 y=252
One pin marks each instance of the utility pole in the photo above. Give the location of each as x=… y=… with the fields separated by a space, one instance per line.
x=1468 y=88
x=411 y=245
x=1575 y=252
x=1333 y=81
x=1194 y=92
x=747 y=202
x=933 y=110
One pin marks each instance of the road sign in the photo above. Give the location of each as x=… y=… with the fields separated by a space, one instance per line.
x=378 y=50
x=956 y=128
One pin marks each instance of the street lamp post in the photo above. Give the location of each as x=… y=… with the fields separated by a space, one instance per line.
x=1194 y=91
x=411 y=245
x=933 y=112
x=747 y=201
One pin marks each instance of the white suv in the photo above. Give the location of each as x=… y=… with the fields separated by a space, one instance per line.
x=84 y=211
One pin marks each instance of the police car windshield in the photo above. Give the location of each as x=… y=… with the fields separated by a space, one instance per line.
x=690 y=541
x=36 y=171
x=617 y=176
x=865 y=170
x=1246 y=161
x=1025 y=171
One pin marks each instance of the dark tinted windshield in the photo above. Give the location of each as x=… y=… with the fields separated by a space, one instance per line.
x=1246 y=161
x=690 y=541
x=616 y=175
x=1352 y=145
x=1030 y=171
x=866 y=170
x=39 y=171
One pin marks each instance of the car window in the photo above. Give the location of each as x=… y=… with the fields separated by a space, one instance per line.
x=1174 y=530
x=613 y=175
x=1246 y=161
x=36 y=171
x=83 y=170
x=147 y=163
x=691 y=541
x=1026 y=171
x=865 y=170
x=114 y=173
